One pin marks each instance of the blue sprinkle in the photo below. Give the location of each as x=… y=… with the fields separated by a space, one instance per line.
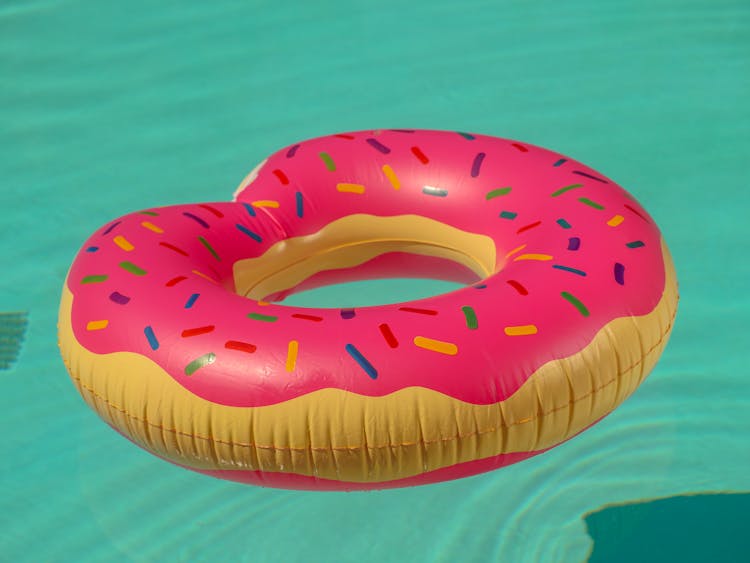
x=563 y=223
x=192 y=300
x=362 y=361
x=250 y=209
x=300 y=208
x=571 y=270
x=508 y=215
x=248 y=232
x=560 y=162
x=151 y=337
x=92 y=249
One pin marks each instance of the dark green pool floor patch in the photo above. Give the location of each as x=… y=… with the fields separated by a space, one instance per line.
x=702 y=527
x=12 y=332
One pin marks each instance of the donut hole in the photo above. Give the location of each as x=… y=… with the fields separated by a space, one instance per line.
x=366 y=247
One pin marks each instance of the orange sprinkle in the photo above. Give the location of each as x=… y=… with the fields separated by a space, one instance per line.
x=152 y=227
x=533 y=257
x=351 y=188
x=521 y=330
x=97 y=325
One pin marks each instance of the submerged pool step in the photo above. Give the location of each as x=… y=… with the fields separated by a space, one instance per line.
x=12 y=333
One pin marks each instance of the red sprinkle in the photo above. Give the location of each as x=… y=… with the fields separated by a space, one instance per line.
x=518 y=287
x=420 y=311
x=527 y=227
x=175 y=281
x=241 y=346
x=213 y=210
x=281 y=176
x=172 y=247
x=342 y=136
x=385 y=330
x=634 y=210
x=420 y=155
x=520 y=147
x=307 y=317
x=196 y=331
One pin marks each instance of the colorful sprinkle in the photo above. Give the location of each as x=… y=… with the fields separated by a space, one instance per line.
x=112 y=226
x=292 y=151
x=433 y=345
x=264 y=318
x=574 y=243
x=590 y=176
x=97 y=325
x=420 y=155
x=519 y=147
x=240 y=346
x=477 y=164
x=619 y=273
x=211 y=210
x=347 y=314
x=565 y=189
x=291 y=355
x=377 y=145
x=590 y=203
x=92 y=249
x=563 y=223
x=387 y=333
x=480 y=286
x=191 y=300
x=576 y=303
x=533 y=257
x=253 y=235
x=520 y=330
x=527 y=227
x=571 y=270
x=515 y=250
x=300 y=204
x=188 y=332
x=151 y=227
x=508 y=214
x=151 y=337
x=123 y=243
x=326 y=158
x=249 y=209
x=205 y=277
x=151 y=213
x=119 y=298
x=350 y=188
x=197 y=219
x=392 y=178
x=497 y=192
x=343 y=136
x=301 y=316
x=432 y=190
x=132 y=268
x=634 y=210
x=518 y=287
x=636 y=244
x=265 y=203
x=173 y=248
x=467 y=136
x=174 y=281
x=281 y=176
x=204 y=360
x=418 y=311
x=560 y=162
x=210 y=248
x=362 y=361
x=94 y=279
x=615 y=221
x=471 y=317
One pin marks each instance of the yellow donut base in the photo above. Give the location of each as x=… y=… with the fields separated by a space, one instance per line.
x=339 y=435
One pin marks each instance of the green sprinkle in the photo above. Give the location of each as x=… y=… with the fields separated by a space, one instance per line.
x=635 y=244
x=508 y=215
x=264 y=318
x=94 y=279
x=325 y=157
x=204 y=360
x=132 y=268
x=152 y=213
x=576 y=303
x=497 y=192
x=593 y=204
x=204 y=242
x=566 y=189
x=471 y=317
x=563 y=223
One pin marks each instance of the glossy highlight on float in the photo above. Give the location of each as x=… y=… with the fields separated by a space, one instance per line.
x=173 y=328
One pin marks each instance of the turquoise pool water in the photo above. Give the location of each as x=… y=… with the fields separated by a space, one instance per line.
x=111 y=107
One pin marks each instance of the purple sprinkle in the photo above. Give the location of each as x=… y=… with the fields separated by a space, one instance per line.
x=292 y=150
x=477 y=164
x=348 y=313
x=378 y=146
x=112 y=226
x=119 y=298
x=196 y=218
x=619 y=273
x=574 y=243
x=590 y=176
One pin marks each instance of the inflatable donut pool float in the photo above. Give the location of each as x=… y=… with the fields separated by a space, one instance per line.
x=172 y=328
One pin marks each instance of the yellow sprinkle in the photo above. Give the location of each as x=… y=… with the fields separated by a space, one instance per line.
x=263 y=303
x=265 y=203
x=616 y=220
x=521 y=330
x=533 y=257
x=436 y=345
x=512 y=252
x=291 y=355
x=152 y=227
x=123 y=243
x=351 y=188
x=97 y=325
x=392 y=178
x=204 y=276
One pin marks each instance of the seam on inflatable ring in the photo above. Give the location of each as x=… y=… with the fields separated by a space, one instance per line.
x=381 y=446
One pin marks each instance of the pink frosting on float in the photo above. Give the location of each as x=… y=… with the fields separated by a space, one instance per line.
x=136 y=280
